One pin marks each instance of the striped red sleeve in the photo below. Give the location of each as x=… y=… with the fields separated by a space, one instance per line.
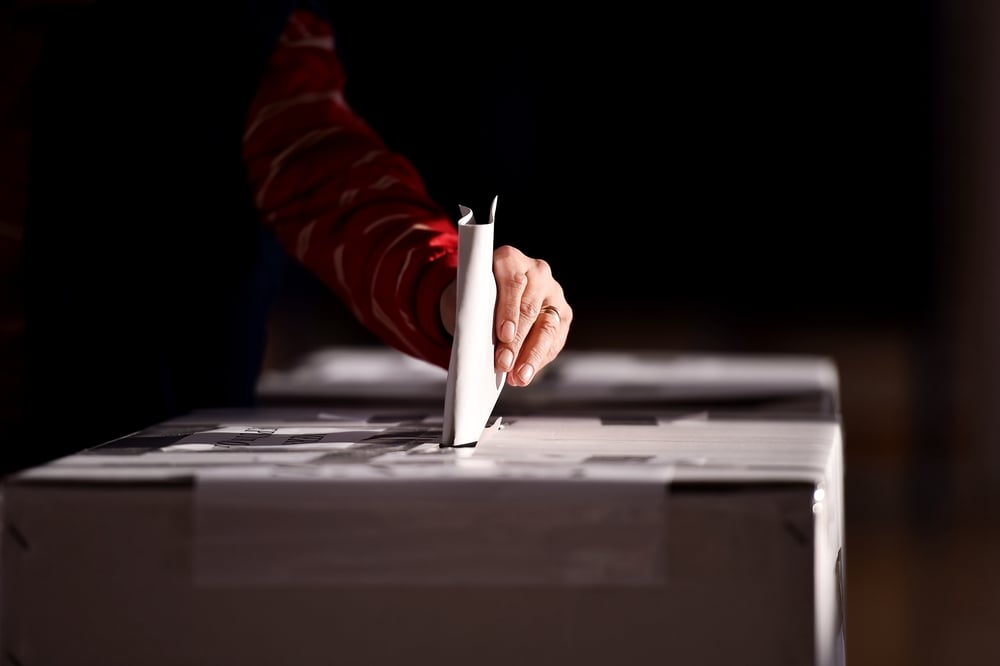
x=353 y=212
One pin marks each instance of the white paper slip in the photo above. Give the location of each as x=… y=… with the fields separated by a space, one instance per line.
x=473 y=385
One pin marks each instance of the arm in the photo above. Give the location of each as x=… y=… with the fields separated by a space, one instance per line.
x=358 y=216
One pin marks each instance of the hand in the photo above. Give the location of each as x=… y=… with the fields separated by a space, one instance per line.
x=532 y=317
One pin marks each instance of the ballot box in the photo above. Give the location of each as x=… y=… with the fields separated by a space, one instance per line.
x=695 y=525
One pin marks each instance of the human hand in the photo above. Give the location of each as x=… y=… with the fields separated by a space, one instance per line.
x=531 y=318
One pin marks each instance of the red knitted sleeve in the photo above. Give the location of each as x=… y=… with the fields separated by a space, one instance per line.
x=353 y=212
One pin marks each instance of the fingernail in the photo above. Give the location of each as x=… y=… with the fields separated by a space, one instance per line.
x=506 y=359
x=526 y=373
x=507 y=331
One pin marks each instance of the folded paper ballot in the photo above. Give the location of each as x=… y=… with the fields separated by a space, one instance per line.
x=473 y=385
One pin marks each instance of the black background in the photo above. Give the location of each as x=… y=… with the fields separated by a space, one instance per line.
x=764 y=159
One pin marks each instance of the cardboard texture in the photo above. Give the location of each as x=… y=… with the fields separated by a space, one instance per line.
x=350 y=535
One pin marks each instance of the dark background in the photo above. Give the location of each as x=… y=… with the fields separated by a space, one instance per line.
x=727 y=156
x=727 y=176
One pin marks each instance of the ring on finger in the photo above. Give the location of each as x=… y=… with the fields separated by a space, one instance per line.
x=552 y=310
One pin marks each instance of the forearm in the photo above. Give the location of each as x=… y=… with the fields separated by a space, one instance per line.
x=355 y=213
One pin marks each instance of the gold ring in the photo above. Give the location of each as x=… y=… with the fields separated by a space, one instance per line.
x=550 y=309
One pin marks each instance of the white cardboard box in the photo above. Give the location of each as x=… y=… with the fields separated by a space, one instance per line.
x=348 y=536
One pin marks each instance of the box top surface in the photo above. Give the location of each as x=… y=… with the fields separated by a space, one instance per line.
x=383 y=445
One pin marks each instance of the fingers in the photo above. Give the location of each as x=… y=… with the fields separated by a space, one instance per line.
x=532 y=315
x=545 y=338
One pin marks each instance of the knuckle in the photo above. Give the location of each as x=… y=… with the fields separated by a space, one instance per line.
x=517 y=281
x=530 y=308
x=548 y=325
x=542 y=267
x=505 y=252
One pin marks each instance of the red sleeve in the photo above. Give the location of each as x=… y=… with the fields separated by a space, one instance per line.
x=353 y=212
